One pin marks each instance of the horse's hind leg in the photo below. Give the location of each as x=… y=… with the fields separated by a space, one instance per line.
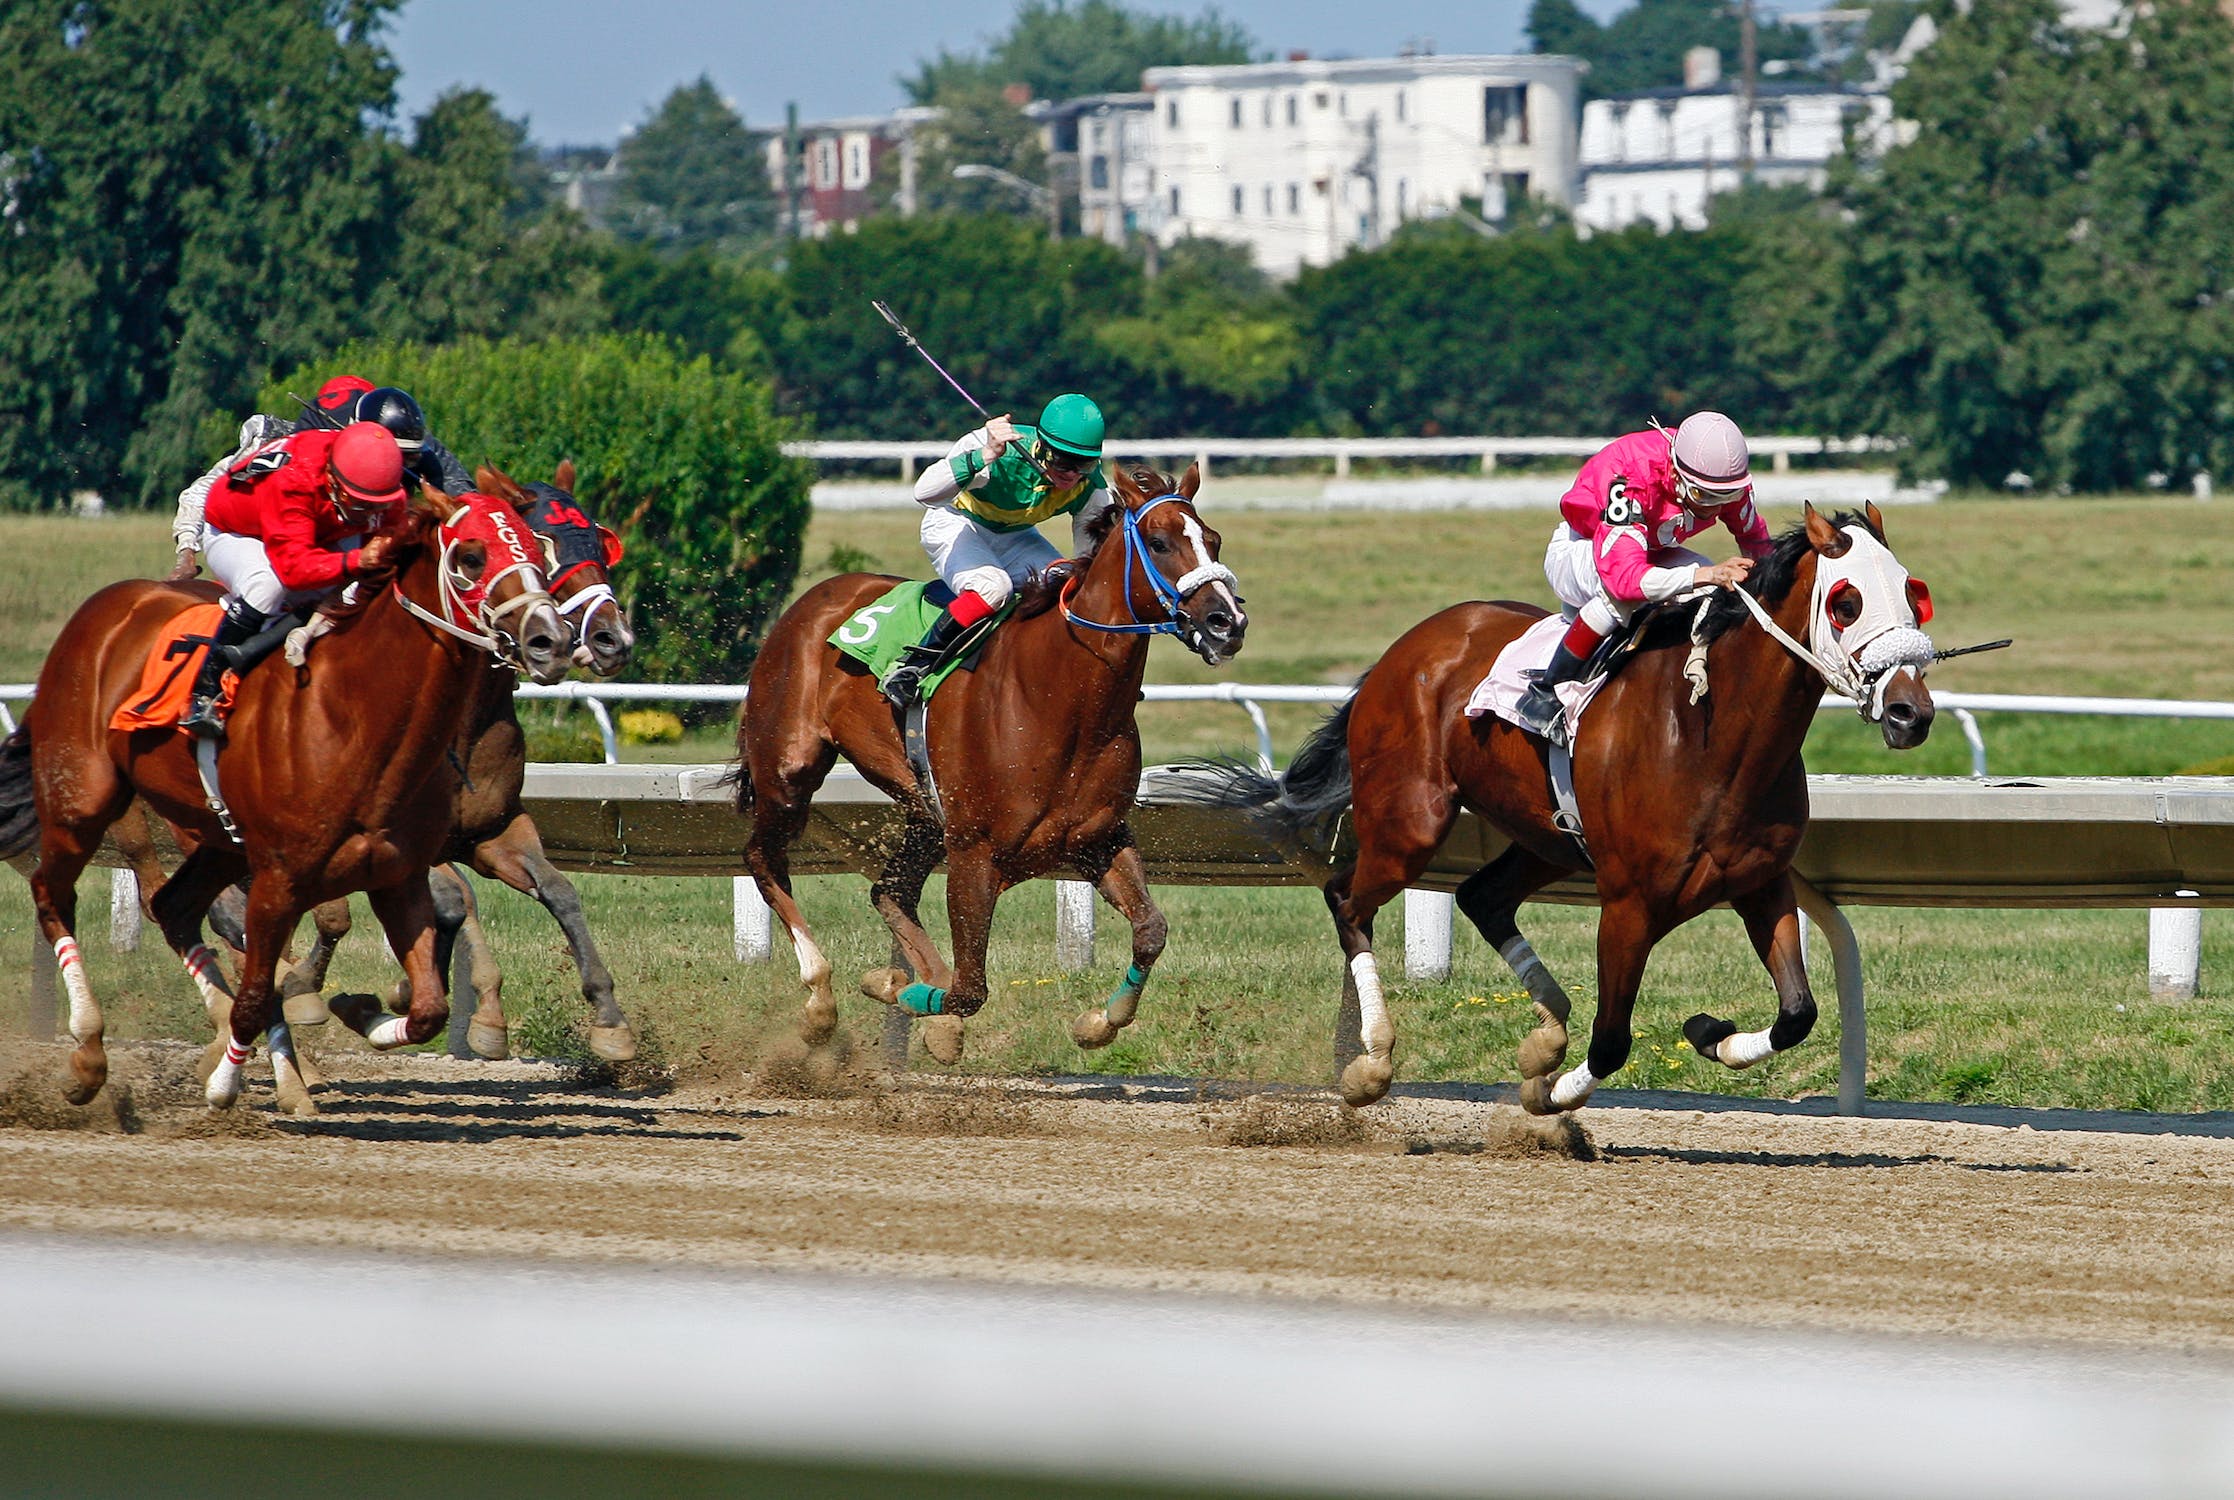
x=896 y=894
x=516 y=857
x=68 y=837
x=406 y=913
x=1772 y=920
x=486 y=1034
x=1123 y=880
x=1400 y=823
x=779 y=811
x=302 y=987
x=1491 y=899
x=268 y=924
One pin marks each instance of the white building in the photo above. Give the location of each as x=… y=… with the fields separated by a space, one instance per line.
x=1658 y=156
x=1303 y=160
x=1101 y=144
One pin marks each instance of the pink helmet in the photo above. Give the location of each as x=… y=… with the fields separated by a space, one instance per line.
x=1710 y=452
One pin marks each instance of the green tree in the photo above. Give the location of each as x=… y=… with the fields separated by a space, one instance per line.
x=1058 y=50
x=684 y=461
x=2037 y=280
x=192 y=192
x=1643 y=47
x=978 y=126
x=692 y=174
x=1215 y=341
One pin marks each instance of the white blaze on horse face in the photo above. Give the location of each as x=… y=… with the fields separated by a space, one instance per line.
x=1372 y=1009
x=1204 y=560
x=1574 y=1087
x=1744 y=1049
x=814 y=969
x=85 y=1015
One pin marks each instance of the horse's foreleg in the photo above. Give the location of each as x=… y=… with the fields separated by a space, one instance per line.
x=1491 y=898
x=268 y=923
x=54 y=896
x=973 y=886
x=1772 y=920
x=406 y=913
x=460 y=935
x=896 y=894
x=303 y=985
x=516 y=857
x=1625 y=939
x=767 y=855
x=1124 y=884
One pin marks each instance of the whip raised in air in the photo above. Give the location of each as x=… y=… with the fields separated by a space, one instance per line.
x=1968 y=650
x=916 y=344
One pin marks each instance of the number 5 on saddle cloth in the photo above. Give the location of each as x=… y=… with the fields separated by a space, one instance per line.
x=880 y=633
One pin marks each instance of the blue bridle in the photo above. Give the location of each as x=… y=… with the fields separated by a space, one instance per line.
x=1167 y=593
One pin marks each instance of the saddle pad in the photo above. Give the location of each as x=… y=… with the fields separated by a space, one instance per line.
x=1501 y=690
x=167 y=680
x=879 y=632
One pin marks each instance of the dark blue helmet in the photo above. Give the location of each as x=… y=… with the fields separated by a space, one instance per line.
x=396 y=411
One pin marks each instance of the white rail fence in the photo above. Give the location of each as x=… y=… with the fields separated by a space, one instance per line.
x=911 y=455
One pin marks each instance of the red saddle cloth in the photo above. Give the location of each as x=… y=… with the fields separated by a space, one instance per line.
x=167 y=681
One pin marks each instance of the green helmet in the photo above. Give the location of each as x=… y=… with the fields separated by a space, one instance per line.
x=1073 y=424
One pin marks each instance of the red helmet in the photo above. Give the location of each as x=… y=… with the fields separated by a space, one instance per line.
x=337 y=398
x=368 y=463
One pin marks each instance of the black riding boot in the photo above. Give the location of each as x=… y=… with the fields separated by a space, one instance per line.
x=920 y=660
x=1539 y=708
x=235 y=627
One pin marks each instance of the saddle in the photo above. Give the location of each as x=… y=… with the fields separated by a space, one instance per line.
x=879 y=633
x=167 y=679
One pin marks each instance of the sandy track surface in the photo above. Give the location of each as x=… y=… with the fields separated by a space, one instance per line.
x=1722 y=1216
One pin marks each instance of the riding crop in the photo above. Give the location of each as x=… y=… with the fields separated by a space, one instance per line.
x=916 y=344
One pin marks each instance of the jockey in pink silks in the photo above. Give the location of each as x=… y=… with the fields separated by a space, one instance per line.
x=1617 y=545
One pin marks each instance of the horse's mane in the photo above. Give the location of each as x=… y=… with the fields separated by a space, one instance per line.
x=1770 y=581
x=1037 y=594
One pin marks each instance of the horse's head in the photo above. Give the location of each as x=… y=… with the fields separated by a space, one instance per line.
x=578 y=557
x=489 y=581
x=1178 y=576
x=1866 y=619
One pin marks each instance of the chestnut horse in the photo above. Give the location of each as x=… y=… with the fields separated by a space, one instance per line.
x=493 y=832
x=1035 y=752
x=1686 y=800
x=337 y=776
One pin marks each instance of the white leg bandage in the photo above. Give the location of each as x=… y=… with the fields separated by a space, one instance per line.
x=85 y=1015
x=1573 y=1087
x=814 y=969
x=390 y=1033
x=1744 y=1049
x=1372 y=1010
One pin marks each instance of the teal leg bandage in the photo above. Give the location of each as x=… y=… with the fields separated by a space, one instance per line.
x=921 y=999
x=1125 y=999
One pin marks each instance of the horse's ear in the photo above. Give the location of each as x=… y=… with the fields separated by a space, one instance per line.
x=490 y=480
x=1876 y=518
x=1190 y=481
x=1823 y=536
x=434 y=500
x=1127 y=491
x=564 y=477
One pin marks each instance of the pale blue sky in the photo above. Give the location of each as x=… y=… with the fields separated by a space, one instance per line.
x=582 y=71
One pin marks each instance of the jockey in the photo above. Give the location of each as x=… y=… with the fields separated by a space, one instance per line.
x=984 y=501
x=340 y=401
x=1615 y=547
x=282 y=531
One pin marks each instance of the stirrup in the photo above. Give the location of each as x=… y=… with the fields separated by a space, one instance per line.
x=201 y=720
x=1541 y=713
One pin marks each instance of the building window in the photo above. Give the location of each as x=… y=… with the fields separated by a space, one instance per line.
x=1505 y=115
x=1175 y=203
x=1400 y=106
x=1171 y=113
x=1097 y=172
x=826 y=164
x=1318 y=99
x=1291 y=109
x=1237 y=114
x=857 y=165
x=1268 y=200
x=1295 y=197
x=1772 y=128
x=1268 y=109
x=1237 y=203
x=1403 y=196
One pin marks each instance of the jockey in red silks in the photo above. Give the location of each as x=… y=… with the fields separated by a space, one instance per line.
x=1617 y=544
x=282 y=531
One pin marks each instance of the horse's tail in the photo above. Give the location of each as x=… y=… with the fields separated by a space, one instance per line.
x=739 y=775
x=1300 y=805
x=19 y=813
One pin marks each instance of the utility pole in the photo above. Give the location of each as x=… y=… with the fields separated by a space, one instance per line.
x=791 y=169
x=1748 y=85
x=1369 y=168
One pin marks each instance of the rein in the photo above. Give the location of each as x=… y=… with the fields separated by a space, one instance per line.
x=1171 y=595
x=492 y=637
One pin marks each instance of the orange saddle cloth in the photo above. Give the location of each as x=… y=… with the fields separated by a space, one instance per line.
x=173 y=662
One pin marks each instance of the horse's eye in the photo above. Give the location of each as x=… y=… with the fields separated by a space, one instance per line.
x=1158 y=544
x=1844 y=605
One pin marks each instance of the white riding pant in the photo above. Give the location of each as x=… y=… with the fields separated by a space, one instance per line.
x=241 y=564
x=975 y=559
x=1571 y=565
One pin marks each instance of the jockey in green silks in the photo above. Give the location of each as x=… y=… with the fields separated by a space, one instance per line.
x=983 y=503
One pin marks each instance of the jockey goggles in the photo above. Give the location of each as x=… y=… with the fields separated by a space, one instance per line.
x=1058 y=459
x=1697 y=496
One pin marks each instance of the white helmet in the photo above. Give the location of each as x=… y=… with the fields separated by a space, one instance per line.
x=1709 y=452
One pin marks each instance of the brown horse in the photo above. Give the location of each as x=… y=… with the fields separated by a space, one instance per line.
x=1686 y=801
x=336 y=776
x=493 y=832
x=1035 y=753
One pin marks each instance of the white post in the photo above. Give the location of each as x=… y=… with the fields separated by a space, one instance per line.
x=1074 y=926
x=1427 y=934
x=1807 y=940
x=2175 y=951
x=751 y=928
x=124 y=910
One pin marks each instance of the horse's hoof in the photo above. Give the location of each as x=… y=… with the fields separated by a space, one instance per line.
x=305 y=1008
x=1535 y=1096
x=360 y=1013
x=1366 y=1080
x=884 y=985
x=88 y=1071
x=1705 y=1033
x=613 y=1043
x=223 y=1089
x=819 y=1019
x=399 y=1001
x=942 y=1038
x=1543 y=1050
x=493 y=1043
x=1094 y=1029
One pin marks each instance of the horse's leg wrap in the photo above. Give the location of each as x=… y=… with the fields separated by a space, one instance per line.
x=1574 y=1088
x=1367 y=1076
x=921 y=999
x=85 y=1013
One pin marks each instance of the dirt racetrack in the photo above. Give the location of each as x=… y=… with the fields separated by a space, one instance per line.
x=1732 y=1216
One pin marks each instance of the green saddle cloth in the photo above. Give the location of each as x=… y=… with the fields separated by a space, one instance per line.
x=879 y=633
